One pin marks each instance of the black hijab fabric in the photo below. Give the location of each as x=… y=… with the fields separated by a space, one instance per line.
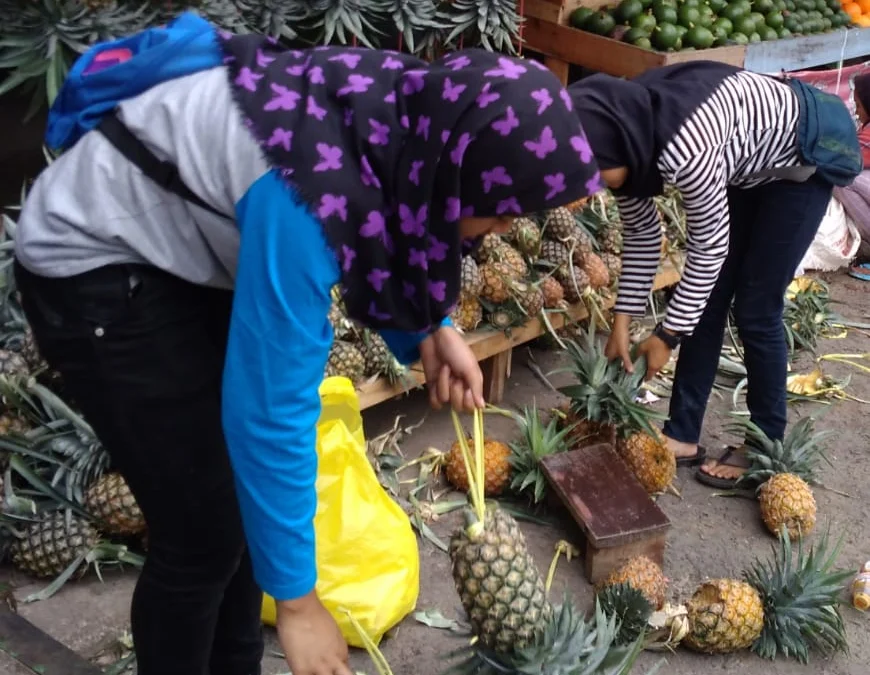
x=389 y=152
x=629 y=122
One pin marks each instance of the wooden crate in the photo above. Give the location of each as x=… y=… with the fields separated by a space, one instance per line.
x=493 y=348
x=547 y=31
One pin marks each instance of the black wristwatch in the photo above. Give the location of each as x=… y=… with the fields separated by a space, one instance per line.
x=672 y=341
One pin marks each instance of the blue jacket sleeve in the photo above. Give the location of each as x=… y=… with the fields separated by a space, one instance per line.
x=278 y=346
x=406 y=346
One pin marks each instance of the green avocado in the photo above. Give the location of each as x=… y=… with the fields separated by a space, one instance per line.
x=580 y=16
x=717 y=5
x=643 y=43
x=627 y=10
x=665 y=36
x=688 y=16
x=774 y=19
x=767 y=33
x=600 y=23
x=645 y=22
x=733 y=12
x=739 y=39
x=632 y=35
x=699 y=37
x=665 y=14
x=784 y=33
x=745 y=25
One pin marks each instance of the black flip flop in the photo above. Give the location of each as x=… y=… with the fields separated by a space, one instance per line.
x=693 y=460
x=715 y=481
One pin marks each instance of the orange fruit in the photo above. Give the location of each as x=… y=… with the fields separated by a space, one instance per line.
x=865 y=6
x=853 y=10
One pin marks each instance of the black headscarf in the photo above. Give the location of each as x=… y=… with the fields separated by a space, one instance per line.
x=629 y=122
x=389 y=152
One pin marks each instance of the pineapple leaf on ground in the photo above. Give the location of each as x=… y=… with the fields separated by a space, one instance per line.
x=631 y=609
x=801 y=596
x=536 y=442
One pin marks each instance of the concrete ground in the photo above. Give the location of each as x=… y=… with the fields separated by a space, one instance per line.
x=711 y=536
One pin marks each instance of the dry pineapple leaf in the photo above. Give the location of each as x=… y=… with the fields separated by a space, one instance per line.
x=435 y=619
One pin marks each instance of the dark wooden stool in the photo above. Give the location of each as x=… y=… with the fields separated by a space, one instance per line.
x=616 y=515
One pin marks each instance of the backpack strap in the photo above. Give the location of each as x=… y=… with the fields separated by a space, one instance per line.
x=798 y=174
x=162 y=172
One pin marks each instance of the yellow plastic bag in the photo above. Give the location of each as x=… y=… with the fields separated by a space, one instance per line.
x=367 y=557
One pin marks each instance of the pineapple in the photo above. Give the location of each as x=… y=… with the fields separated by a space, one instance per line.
x=614 y=266
x=508 y=255
x=610 y=238
x=342 y=326
x=554 y=294
x=785 y=605
x=784 y=469
x=642 y=574
x=725 y=615
x=577 y=205
x=496 y=279
x=50 y=546
x=582 y=244
x=555 y=255
x=506 y=316
x=496 y=467
x=471 y=283
x=13 y=364
x=487 y=247
x=525 y=235
x=498 y=582
x=467 y=314
x=110 y=501
x=646 y=453
x=379 y=360
x=560 y=225
x=596 y=270
x=575 y=283
x=536 y=442
x=529 y=297
x=13 y=423
x=346 y=360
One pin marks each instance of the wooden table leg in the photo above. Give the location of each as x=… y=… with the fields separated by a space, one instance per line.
x=496 y=370
x=559 y=68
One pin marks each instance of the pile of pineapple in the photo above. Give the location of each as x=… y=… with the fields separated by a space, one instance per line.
x=60 y=502
x=787 y=605
x=542 y=263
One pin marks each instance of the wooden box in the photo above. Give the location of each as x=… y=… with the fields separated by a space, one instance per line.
x=547 y=31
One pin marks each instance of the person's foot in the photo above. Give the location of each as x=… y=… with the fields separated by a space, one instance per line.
x=731 y=466
x=686 y=454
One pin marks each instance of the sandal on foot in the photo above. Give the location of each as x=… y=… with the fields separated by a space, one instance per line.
x=740 y=462
x=860 y=271
x=693 y=460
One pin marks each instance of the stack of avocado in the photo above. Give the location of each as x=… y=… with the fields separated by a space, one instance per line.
x=679 y=25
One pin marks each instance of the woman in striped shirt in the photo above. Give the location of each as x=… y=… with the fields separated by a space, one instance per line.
x=727 y=139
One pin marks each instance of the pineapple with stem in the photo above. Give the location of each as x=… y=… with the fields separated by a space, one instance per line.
x=786 y=605
x=536 y=441
x=784 y=469
x=498 y=582
x=515 y=628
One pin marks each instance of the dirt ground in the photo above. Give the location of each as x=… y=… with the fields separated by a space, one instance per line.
x=711 y=536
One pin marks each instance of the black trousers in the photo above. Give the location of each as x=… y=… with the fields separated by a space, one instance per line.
x=142 y=354
x=772 y=226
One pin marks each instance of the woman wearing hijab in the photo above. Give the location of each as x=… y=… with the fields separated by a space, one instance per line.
x=750 y=156
x=189 y=318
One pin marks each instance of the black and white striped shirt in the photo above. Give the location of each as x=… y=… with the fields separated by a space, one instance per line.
x=747 y=125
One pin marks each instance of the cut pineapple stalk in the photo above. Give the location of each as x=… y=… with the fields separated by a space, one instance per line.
x=569 y=550
x=375 y=654
x=473 y=461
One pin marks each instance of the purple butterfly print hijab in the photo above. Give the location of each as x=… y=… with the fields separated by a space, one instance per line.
x=389 y=152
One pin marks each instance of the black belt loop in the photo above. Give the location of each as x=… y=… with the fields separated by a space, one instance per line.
x=162 y=172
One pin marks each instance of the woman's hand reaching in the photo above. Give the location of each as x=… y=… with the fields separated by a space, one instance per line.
x=310 y=638
x=452 y=372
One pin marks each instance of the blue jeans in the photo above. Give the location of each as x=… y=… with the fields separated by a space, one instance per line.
x=772 y=226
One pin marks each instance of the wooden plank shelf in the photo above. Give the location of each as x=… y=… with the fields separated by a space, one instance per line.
x=547 y=32
x=493 y=348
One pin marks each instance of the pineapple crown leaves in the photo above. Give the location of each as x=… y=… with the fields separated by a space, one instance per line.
x=536 y=442
x=570 y=644
x=801 y=594
x=631 y=609
x=495 y=23
x=345 y=20
x=798 y=453
x=275 y=18
x=415 y=17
